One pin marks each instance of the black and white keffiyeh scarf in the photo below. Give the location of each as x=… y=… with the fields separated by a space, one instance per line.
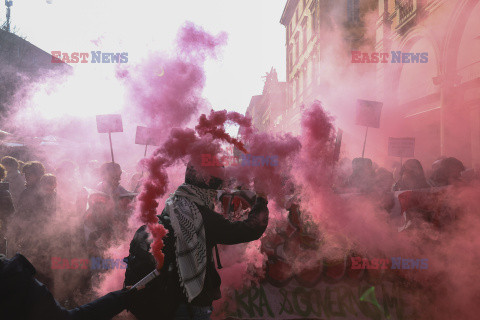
x=190 y=241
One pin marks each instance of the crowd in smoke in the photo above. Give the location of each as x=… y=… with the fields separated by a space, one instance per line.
x=362 y=210
x=80 y=210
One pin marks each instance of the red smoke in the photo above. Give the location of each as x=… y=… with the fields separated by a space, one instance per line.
x=198 y=44
x=167 y=90
x=215 y=125
x=182 y=144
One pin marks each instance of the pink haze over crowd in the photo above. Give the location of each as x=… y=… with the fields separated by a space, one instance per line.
x=189 y=127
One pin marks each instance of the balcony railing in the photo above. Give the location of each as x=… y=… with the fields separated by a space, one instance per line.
x=406 y=9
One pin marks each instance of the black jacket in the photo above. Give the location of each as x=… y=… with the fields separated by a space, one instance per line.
x=22 y=297
x=218 y=230
x=6 y=207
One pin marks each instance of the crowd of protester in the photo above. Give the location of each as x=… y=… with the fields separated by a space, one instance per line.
x=103 y=208
x=67 y=212
x=410 y=193
x=94 y=202
x=30 y=197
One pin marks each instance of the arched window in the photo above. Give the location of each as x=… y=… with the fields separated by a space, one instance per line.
x=353 y=11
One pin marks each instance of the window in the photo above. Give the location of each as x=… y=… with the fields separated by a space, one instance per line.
x=317 y=68
x=312 y=22
x=315 y=17
x=290 y=59
x=353 y=11
x=297 y=48
x=304 y=34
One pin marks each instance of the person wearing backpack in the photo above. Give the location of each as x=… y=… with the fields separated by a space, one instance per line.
x=188 y=281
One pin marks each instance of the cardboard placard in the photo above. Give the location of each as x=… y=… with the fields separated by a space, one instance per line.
x=109 y=123
x=401 y=147
x=368 y=113
x=147 y=136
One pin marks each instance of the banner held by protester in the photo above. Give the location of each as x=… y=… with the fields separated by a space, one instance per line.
x=401 y=147
x=147 y=137
x=109 y=123
x=368 y=115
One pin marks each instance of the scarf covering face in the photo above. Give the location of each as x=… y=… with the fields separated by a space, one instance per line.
x=190 y=241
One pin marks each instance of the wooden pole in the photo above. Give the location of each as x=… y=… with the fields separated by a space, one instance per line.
x=138 y=183
x=364 y=143
x=111 y=147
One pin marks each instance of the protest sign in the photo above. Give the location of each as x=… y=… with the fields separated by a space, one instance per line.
x=368 y=113
x=109 y=123
x=401 y=147
x=147 y=136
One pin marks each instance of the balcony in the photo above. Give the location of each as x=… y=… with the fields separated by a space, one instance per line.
x=405 y=11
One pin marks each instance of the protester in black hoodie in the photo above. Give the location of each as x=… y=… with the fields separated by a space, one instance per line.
x=194 y=231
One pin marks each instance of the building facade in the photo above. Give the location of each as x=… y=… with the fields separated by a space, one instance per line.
x=437 y=102
x=310 y=25
x=267 y=109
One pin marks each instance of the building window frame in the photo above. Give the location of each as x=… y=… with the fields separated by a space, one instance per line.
x=297 y=47
x=304 y=34
x=353 y=11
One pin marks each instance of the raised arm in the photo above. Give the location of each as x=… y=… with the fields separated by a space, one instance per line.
x=223 y=231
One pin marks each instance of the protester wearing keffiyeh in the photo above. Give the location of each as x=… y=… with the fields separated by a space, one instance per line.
x=190 y=243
